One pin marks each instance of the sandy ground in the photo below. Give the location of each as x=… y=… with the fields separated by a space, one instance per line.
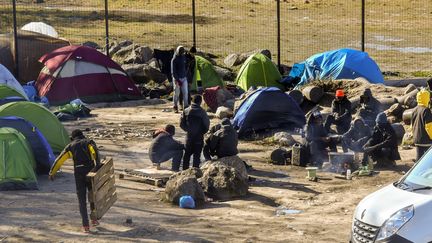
x=51 y=214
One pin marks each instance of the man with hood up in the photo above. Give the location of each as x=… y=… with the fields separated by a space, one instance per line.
x=222 y=141
x=164 y=147
x=382 y=147
x=341 y=113
x=357 y=136
x=179 y=73
x=195 y=122
x=368 y=108
x=421 y=123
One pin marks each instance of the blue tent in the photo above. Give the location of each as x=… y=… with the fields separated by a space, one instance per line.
x=268 y=108
x=42 y=151
x=11 y=99
x=338 y=64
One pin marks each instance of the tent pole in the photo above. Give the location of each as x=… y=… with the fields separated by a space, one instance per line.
x=106 y=29
x=363 y=26
x=193 y=24
x=278 y=35
x=15 y=39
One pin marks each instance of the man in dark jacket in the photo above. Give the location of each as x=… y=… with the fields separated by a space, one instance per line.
x=382 y=147
x=421 y=123
x=341 y=113
x=222 y=141
x=368 y=108
x=179 y=73
x=164 y=147
x=318 y=140
x=195 y=122
x=85 y=156
x=357 y=136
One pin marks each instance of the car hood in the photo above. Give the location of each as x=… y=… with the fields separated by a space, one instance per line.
x=377 y=207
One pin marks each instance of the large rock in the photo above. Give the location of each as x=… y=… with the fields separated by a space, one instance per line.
x=136 y=72
x=124 y=52
x=224 y=112
x=284 y=139
x=224 y=73
x=222 y=96
x=232 y=60
x=115 y=47
x=154 y=74
x=145 y=53
x=182 y=184
x=237 y=163
x=222 y=182
x=91 y=44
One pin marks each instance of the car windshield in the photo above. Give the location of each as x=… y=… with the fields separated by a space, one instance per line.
x=421 y=174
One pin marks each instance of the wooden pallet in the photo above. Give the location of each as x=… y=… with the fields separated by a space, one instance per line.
x=149 y=176
x=103 y=194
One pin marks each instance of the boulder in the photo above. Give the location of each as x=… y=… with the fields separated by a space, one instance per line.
x=237 y=163
x=136 y=72
x=115 y=47
x=182 y=184
x=124 y=52
x=232 y=60
x=223 y=112
x=145 y=53
x=91 y=44
x=224 y=73
x=154 y=74
x=222 y=96
x=284 y=139
x=222 y=182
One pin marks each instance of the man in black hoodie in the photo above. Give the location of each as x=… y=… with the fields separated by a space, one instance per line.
x=368 y=108
x=222 y=142
x=341 y=113
x=195 y=122
x=358 y=134
x=164 y=147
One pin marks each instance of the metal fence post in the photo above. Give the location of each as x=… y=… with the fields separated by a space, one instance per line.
x=15 y=39
x=106 y=29
x=278 y=35
x=363 y=26
x=193 y=24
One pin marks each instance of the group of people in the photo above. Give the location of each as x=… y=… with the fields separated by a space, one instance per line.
x=379 y=143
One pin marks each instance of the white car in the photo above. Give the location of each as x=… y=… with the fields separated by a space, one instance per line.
x=400 y=212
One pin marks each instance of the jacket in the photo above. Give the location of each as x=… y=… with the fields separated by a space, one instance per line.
x=224 y=141
x=343 y=109
x=162 y=144
x=82 y=151
x=421 y=120
x=315 y=132
x=195 y=122
x=384 y=136
x=178 y=65
x=369 y=103
x=357 y=132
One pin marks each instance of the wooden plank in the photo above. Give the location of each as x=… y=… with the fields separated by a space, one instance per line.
x=103 y=179
x=101 y=212
x=106 y=166
x=110 y=185
x=159 y=182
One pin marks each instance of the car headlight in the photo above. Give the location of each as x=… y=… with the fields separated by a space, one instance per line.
x=395 y=222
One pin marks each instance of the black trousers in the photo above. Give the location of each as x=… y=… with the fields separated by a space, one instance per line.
x=82 y=186
x=420 y=150
x=192 y=148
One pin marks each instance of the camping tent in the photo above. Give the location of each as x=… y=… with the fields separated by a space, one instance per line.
x=42 y=151
x=31 y=47
x=10 y=99
x=205 y=72
x=82 y=72
x=42 y=118
x=258 y=70
x=338 y=64
x=7 y=91
x=42 y=28
x=16 y=161
x=6 y=78
x=268 y=108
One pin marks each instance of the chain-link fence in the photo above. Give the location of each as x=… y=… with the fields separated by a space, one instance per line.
x=397 y=32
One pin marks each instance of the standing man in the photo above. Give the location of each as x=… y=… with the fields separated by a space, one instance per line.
x=421 y=123
x=85 y=156
x=179 y=72
x=341 y=113
x=195 y=122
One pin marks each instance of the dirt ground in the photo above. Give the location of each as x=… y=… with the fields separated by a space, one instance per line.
x=122 y=130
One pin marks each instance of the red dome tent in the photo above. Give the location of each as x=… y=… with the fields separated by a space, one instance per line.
x=82 y=72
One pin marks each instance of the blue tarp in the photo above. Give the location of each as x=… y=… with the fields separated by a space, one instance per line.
x=11 y=99
x=338 y=64
x=42 y=151
x=268 y=108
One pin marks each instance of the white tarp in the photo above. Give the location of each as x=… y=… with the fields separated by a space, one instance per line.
x=42 y=28
x=6 y=78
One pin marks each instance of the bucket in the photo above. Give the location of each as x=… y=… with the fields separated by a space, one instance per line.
x=312 y=173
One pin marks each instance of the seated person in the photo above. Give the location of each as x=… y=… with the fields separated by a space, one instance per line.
x=368 y=108
x=164 y=147
x=317 y=139
x=222 y=141
x=357 y=136
x=341 y=113
x=382 y=147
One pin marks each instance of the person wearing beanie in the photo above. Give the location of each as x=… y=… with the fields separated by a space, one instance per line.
x=382 y=147
x=85 y=156
x=341 y=113
x=164 y=147
x=421 y=123
x=222 y=141
x=195 y=122
x=368 y=108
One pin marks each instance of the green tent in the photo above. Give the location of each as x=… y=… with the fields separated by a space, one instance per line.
x=7 y=91
x=258 y=70
x=17 y=164
x=205 y=72
x=42 y=118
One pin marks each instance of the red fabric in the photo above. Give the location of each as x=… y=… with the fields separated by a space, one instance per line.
x=210 y=97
